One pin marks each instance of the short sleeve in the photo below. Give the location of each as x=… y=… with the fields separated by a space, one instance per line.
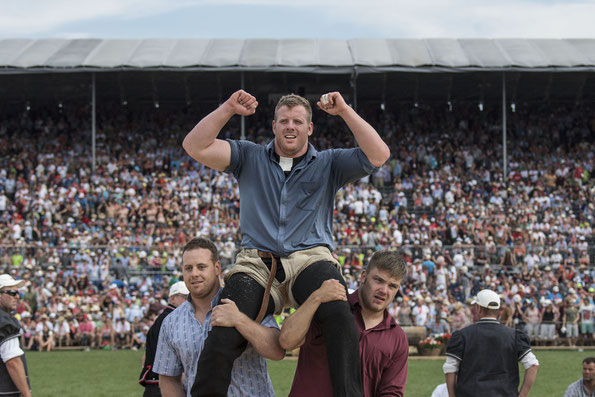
x=235 y=162
x=523 y=344
x=456 y=346
x=10 y=349
x=349 y=165
x=166 y=360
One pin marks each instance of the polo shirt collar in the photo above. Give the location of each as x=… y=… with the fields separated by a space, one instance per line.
x=310 y=154
x=488 y=320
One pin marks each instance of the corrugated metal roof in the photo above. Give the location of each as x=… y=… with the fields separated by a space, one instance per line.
x=369 y=55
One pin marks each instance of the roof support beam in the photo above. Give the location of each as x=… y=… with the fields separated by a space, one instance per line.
x=93 y=121
x=504 y=151
x=581 y=87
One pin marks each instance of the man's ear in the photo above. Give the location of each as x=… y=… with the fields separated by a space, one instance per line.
x=362 y=277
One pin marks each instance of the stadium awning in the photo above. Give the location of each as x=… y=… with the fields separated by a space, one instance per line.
x=300 y=55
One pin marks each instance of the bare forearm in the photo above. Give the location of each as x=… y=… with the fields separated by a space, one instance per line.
x=529 y=379
x=171 y=386
x=451 y=381
x=201 y=142
x=16 y=370
x=205 y=132
x=367 y=138
x=264 y=340
x=295 y=327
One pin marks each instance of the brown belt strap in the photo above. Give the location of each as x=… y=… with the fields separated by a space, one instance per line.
x=267 y=290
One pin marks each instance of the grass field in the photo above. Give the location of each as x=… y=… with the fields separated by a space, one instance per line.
x=115 y=373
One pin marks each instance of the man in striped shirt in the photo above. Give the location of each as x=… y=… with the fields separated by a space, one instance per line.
x=184 y=331
x=585 y=386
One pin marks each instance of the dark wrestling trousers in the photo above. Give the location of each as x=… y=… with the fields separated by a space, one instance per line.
x=224 y=344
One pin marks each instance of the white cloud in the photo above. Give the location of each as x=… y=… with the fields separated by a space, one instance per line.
x=465 y=18
x=384 y=18
x=39 y=16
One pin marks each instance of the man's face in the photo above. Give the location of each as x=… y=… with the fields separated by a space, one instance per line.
x=588 y=372
x=178 y=299
x=201 y=274
x=378 y=289
x=8 y=302
x=292 y=129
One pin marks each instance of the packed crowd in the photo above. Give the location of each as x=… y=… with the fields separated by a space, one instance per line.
x=100 y=247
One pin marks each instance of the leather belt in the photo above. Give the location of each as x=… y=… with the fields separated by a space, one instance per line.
x=267 y=290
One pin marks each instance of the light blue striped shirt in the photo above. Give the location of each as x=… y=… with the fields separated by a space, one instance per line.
x=182 y=338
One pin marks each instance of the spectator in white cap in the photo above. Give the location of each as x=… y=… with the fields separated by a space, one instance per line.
x=178 y=293
x=13 y=366
x=469 y=373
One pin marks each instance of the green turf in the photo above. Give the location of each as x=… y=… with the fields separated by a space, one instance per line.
x=78 y=373
x=107 y=373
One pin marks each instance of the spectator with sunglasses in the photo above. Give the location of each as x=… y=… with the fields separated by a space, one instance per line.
x=14 y=380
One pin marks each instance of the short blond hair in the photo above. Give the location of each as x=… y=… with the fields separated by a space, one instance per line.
x=292 y=101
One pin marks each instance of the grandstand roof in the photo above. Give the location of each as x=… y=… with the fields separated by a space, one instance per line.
x=303 y=55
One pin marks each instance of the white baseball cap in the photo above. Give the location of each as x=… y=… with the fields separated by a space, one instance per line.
x=178 y=288
x=6 y=280
x=488 y=299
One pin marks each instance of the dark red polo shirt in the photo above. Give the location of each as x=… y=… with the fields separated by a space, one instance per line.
x=384 y=351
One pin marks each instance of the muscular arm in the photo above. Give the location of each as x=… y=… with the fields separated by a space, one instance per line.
x=528 y=380
x=265 y=340
x=171 y=386
x=295 y=327
x=202 y=144
x=16 y=370
x=366 y=136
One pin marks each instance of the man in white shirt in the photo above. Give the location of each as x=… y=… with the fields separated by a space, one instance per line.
x=421 y=312
x=13 y=366
x=123 y=332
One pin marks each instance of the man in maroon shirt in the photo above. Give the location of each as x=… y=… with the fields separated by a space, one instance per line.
x=383 y=344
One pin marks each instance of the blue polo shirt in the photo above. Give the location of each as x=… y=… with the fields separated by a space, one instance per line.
x=282 y=214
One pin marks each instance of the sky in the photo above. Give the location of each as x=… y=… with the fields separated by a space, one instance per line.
x=324 y=19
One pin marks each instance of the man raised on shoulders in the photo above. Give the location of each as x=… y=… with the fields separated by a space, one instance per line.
x=184 y=331
x=287 y=191
x=383 y=344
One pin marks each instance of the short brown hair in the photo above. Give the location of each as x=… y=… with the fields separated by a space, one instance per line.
x=487 y=312
x=202 y=242
x=293 y=100
x=392 y=262
x=589 y=360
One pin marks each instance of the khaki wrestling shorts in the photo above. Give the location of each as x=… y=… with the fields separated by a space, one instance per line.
x=248 y=261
